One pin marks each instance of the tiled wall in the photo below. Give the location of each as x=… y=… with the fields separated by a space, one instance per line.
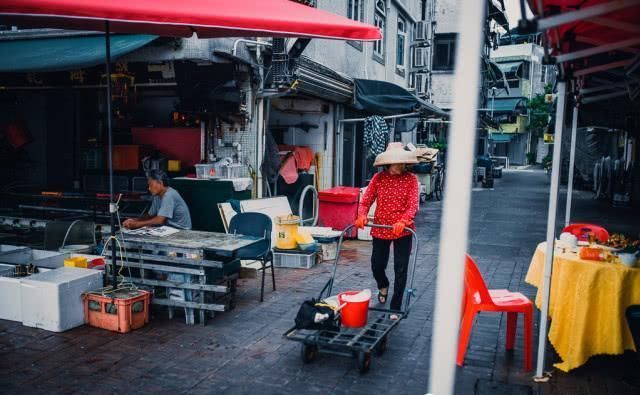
x=246 y=139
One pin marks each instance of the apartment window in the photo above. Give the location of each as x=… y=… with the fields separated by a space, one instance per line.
x=444 y=51
x=379 y=20
x=355 y=10
x=514 y=82
x=401 y=43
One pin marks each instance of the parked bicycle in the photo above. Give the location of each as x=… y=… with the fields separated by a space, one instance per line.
x=436 y=185
x=438 y=181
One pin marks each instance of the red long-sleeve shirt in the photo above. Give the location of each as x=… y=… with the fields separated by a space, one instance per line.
x=396 y=199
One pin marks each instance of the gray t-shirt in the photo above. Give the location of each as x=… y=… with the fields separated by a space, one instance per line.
x=173 y=207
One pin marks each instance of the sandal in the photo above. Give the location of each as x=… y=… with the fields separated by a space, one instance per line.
x=382 y=298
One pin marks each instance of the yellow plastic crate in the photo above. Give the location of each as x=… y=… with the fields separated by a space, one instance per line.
x=78 y=261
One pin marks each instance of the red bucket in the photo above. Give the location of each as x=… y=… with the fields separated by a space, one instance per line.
x=353 y=314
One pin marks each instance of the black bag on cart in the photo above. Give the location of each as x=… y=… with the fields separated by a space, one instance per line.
x=312 y=313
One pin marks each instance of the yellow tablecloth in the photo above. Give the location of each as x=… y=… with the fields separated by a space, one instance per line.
x=587 y=306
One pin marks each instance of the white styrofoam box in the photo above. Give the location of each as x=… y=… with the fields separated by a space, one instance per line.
x=9 y=295
x=10 y=306
x=39 y=258
x=53 y=300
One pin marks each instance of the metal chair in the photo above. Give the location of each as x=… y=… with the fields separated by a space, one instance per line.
x=255 y=224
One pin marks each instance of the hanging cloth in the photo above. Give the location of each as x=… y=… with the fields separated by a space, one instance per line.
x=289 y=170
x=271 y=162
x=376 y=133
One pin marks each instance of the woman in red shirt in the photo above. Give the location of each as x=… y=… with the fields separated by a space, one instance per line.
x=396 y=193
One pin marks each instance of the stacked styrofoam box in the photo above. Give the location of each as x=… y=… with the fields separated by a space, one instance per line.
x=53 y=300
x=365 y=234
x=10 y=306
x=9 y=294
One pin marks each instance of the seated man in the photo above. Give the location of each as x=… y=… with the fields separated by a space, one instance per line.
x=167 y=206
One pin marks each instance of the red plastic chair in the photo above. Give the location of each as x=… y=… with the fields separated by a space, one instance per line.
x=478 y=298
x=581 y=231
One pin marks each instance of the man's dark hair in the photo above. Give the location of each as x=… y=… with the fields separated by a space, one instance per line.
x=158 y=175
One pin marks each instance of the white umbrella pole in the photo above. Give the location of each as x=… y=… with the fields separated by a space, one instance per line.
x=572 y=160
x=551 y=225
x=457 y=199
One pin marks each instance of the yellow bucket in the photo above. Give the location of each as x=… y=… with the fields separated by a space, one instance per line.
x=286 y=230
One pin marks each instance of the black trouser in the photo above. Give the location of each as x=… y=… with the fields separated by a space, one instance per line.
x=379 y=260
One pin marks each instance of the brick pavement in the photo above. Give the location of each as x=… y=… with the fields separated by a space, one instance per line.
x=243 y=351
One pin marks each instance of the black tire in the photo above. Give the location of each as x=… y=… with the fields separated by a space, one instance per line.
x=309 y=352
x=364 y=361
x=382 y=346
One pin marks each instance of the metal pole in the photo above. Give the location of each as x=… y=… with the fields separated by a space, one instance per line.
x=572 y=160
x=551 y=225
x=112 y=205
x=493 y=101
x=457 y=200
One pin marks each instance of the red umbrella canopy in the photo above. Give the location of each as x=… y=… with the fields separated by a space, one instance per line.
x=181 y=18
x=618 y=25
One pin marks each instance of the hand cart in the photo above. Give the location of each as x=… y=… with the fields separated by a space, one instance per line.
x=358 y=343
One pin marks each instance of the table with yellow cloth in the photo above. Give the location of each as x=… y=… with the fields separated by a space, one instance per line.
x=587 y=305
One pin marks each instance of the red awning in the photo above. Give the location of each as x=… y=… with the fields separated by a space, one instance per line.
x=596 y=43
x=610 y=27
x=181 y=18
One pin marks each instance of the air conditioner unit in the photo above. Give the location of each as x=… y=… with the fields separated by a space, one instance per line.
x=420 y=31
x=412 y=81
x=420 y=81
x=419 y=57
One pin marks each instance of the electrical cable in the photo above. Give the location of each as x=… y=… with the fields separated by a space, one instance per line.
x=121 y=284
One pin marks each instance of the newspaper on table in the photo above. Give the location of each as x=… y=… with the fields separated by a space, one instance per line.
x=156 y=231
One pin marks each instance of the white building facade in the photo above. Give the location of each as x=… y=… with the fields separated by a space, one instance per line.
x=527 y=78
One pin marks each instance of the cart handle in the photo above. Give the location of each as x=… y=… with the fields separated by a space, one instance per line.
x=409 y=290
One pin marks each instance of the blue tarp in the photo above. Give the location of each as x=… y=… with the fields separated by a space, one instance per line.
x=500 y=138
x=65 y=53
x=508 y=104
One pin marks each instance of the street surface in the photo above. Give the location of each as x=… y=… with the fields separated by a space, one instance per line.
x=243 y=351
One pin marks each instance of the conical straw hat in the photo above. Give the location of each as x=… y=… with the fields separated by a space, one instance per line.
x=394 y=154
